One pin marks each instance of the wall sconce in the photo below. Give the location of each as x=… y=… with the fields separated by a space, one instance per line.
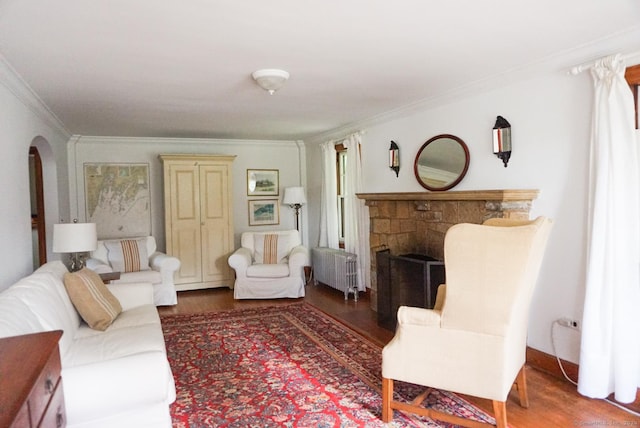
x=502 y=139
x=394 y=157
x=294 y=197
x=74 y=238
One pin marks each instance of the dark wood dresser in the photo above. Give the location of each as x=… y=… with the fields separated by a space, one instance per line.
x=30 y=383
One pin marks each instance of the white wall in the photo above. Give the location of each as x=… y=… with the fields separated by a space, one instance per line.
x=550 y=118
x=24 y=120
x=286 y=156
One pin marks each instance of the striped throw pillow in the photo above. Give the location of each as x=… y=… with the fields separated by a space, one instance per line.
x=97 y=306
x=271 y=248
x=128 y=255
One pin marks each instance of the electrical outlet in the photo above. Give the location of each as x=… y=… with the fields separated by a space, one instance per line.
x=568 y=322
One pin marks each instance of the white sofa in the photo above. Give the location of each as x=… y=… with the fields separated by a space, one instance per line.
x=258 y=279
x=159 y=270
x=119 y=377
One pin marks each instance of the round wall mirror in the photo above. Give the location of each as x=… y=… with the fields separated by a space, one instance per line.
x=441 y=162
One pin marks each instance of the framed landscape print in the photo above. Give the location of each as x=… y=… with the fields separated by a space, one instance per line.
x=263 y=212
x=262 y=182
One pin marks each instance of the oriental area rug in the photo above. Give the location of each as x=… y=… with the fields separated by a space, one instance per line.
x=284 y=366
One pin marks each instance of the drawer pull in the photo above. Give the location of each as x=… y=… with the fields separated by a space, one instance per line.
x=49 y=386
x=59 y=419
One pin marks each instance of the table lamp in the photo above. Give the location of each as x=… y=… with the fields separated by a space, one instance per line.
x=74 y=238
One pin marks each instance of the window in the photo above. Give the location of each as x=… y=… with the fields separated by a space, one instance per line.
x=341 y=168
x=632 y=74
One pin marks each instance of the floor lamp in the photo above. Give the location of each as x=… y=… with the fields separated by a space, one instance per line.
x=294 y=197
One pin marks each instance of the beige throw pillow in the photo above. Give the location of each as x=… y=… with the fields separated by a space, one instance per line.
x=128 y=255
x=271 y=248
x=92 y=299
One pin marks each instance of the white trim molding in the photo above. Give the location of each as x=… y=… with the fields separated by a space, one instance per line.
x=10 y=78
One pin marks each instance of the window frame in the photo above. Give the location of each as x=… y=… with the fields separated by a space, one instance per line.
x=341 y=160
x=632 y=76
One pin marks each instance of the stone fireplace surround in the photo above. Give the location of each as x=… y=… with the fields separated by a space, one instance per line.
x=416 y=222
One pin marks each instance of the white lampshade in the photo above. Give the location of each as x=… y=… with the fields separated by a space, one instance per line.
x=294 y=195
x=74 y=237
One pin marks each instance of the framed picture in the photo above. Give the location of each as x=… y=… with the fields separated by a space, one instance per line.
x=262 y=182
x=117 y=198
x=263 y=212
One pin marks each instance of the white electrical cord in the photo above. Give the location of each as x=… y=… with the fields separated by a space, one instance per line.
x=555 y=353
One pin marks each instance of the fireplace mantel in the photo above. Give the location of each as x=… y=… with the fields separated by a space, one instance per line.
x=462 y=195
x=416 y=222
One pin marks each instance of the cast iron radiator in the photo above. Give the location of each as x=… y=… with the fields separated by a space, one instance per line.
x=337 y=269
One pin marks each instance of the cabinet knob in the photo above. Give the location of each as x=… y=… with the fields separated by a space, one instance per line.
x=48 y=386
x=59 y=419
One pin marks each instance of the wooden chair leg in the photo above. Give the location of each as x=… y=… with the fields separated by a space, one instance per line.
x=521 y=384
x=387 y=396
x=500 y=413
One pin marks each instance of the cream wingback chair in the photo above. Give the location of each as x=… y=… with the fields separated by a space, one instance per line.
x=269 y=265
x=474 y=340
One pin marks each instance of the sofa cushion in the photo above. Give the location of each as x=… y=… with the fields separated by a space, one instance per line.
x=93 y=300
x=128 y=255
x=135 y=317
x=271 y=248
x=16 y=318
x=268 y=271
x=89 y=348
x=152 y=276
x=47 y=305
x=116 y=392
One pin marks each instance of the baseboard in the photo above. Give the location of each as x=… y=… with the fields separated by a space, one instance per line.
x=549 y=364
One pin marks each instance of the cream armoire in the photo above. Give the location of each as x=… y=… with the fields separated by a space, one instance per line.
x=199 y=218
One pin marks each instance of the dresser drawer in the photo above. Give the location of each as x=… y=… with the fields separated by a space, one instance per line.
x=22 y=418
x=54 y=416
x=44 y=388
x=30 y=385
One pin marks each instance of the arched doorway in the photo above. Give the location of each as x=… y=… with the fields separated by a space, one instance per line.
x=38 y=224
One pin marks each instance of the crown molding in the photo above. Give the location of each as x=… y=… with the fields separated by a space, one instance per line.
x=10 y=78
x=97 y=139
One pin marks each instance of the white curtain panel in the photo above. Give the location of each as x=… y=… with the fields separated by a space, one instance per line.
x=329 y=206
x=610 y=348
x=356 y=228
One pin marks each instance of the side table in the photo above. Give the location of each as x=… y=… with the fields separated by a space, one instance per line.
x=109 y=276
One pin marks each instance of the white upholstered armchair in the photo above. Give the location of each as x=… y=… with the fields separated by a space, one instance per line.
x=269 y=265
x=474 y=340
x=138 y=260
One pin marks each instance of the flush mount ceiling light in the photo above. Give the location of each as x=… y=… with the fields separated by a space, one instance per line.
x=270 y=79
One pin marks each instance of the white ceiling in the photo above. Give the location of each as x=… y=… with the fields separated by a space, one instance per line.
x=182 y=68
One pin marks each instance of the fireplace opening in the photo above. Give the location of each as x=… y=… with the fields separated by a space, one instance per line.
x=406 y=280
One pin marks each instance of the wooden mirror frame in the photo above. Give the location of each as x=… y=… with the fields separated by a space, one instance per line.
x=461 y=174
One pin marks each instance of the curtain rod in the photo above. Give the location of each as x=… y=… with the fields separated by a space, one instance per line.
x=575 y=70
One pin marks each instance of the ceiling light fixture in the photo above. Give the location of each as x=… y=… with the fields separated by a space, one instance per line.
x=270 y=79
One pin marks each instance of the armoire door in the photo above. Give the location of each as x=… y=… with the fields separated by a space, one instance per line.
x=215 y=221
x=186 y=237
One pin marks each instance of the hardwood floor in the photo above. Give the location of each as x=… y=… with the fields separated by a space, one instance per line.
x=553 y=401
